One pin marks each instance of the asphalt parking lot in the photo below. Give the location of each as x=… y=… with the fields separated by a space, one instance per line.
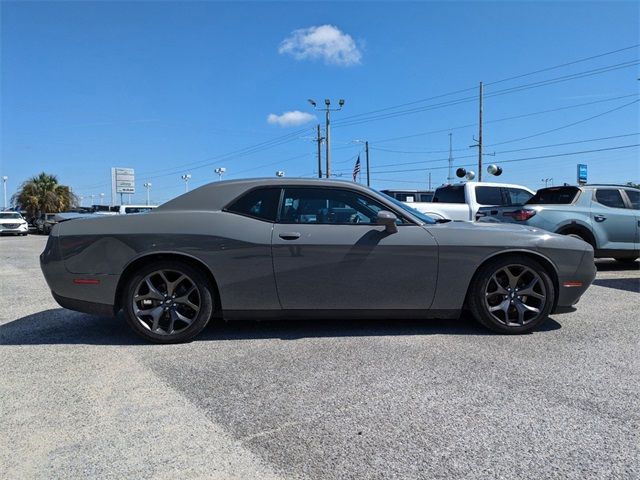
x=81 y=397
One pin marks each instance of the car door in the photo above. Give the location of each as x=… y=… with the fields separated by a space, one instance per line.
x=329 y=253
x=633 y=197
x=614 y=224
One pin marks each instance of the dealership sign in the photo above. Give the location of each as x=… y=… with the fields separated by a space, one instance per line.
x=582 y=173
x=122 y=181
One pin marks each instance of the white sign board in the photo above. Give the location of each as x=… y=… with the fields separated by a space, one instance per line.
x=122 y=181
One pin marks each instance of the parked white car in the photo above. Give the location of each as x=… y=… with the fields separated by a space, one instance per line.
x=13 y=223
x=128 y=209
x=461 y=201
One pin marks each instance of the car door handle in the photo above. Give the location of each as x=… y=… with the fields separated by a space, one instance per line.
x=289 y=235
x=599 y=218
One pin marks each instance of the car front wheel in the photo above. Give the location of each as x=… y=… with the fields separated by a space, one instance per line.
x=511 y=294
x=168 y=302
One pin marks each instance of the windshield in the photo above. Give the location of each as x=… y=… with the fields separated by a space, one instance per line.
x=416 y=213
x=10 y=215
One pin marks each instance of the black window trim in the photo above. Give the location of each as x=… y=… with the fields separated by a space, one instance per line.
x=408 y=221
x=626 y=199
x=246 y=192
x=623 y=196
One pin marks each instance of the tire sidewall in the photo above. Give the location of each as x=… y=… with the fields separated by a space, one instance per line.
x=205 y=290
x=479 y=286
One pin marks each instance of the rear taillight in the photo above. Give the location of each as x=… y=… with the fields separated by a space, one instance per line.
x=521 y=215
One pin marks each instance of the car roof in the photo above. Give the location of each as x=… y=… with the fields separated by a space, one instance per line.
x=216 y=195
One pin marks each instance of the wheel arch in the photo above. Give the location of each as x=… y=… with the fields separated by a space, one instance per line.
x=578 y=229
x=141 y=261
x=548 y=265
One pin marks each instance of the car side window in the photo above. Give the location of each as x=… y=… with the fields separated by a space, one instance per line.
x=328 y=206
x=489 y=196
x=610 y=198
x=634 y=198
x=261 y=203
x=517 y=196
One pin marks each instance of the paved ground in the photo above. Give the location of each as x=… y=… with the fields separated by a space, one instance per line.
x=80 y=397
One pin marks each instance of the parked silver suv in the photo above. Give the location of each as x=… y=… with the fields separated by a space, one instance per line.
x=606 y=216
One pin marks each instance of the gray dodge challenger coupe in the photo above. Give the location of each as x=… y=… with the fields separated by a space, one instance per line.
x=300 y=248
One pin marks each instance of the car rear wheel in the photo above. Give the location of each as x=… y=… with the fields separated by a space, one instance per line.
x=168 y=302
x=511 y=294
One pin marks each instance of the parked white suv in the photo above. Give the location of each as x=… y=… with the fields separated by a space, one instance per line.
x=12 y=222
x=461 y=201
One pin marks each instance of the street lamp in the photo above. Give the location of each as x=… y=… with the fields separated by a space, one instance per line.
x=4 y=190
x=546 y=181
x=327 y=110
x=220 y=171
x=186 y=177
x=147 y=185
x=280 y=173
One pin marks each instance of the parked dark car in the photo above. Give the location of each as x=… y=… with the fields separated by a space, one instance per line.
x=307 y=248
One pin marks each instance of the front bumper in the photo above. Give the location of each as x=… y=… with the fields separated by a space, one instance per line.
x=20 y=229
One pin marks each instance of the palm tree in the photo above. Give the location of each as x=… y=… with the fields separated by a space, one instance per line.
x=43 y=193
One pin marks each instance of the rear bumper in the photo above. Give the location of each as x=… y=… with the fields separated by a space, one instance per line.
x=572 y=287
x=93 y=308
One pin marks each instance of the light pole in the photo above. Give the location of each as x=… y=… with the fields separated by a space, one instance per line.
x=220 y=171
x=186 y=177
x=101 y=198
x=327 y=131
x=546 y=181
x=147 y=185
x=4 y=191
x=280 y=173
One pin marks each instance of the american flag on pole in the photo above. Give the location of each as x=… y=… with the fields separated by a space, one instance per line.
x=356 y=169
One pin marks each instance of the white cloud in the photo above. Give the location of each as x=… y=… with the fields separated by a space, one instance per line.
x=324 y=41
x=290 y=119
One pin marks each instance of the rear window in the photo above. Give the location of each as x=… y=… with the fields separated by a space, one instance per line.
x=489 y=195
x=554 y=196
x=449 y=194
x=260 y=203
x=517 y=196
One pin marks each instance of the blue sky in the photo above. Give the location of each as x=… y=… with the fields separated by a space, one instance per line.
x=177 y=87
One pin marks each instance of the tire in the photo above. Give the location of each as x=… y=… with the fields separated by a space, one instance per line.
x=155 y=315
x=513 y=312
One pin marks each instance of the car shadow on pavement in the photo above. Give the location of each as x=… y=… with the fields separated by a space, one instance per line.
x=628 y=284
x=610 y=265
x=60 y=326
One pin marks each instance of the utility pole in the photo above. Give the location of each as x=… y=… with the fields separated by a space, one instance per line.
x=4 y=191
x=327 y=130
x=480 y=137
x=147 y=185
x=186 y=177
x=429 y=181
x=366 y=151
x=450 y=176
x=319 y=140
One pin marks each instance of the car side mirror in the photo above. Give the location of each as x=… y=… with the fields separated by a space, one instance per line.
x=387 y=219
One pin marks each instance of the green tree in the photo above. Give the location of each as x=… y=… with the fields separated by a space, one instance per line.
x=635 y=185
x=43 y=193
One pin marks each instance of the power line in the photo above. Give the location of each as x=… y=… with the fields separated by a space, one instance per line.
x=573 y=62
x=565 y=126
x=518 y=159
x=519 y=88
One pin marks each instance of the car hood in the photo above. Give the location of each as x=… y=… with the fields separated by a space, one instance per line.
x=502 y=235
x=490 y=226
